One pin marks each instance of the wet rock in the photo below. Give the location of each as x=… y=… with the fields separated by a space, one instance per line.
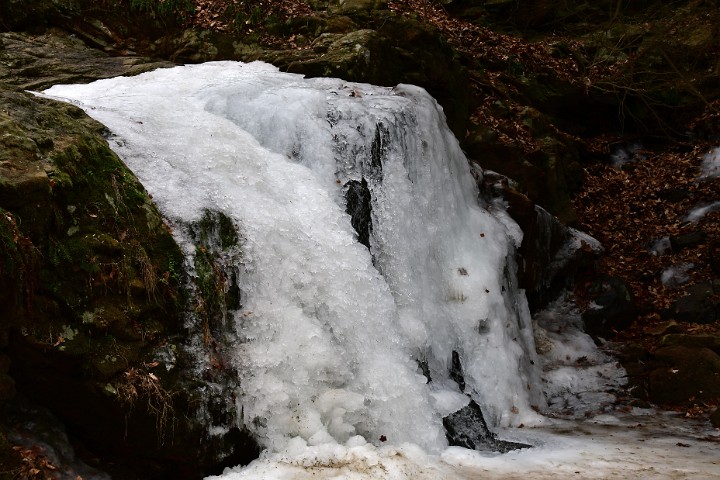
x=47 y=437
x=456 y=373
x=548 y=175
x=687 y=240
x=551 y=253
x=467 y=428
x=715 y=418
x=692 y=341
x=358 y=206
x=699 y=305
x=613 y=307
x=684 y=375
x=90 y=296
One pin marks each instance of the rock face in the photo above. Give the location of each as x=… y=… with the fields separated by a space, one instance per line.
x=551 y=254
x=92 y=301
x=35 y=62
x=549 y=175
x=401 y=51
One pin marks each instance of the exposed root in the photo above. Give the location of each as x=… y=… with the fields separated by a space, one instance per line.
x=137 y=384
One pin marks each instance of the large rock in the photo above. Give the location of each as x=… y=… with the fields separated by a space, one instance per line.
x=613 y=307
x=698 y=305
x=685 y=375
x=37 y=61
x=91 y=298
x=551 y=254
x=548 y=175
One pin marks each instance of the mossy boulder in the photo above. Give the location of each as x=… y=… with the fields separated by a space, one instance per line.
x=92 y=303
x=401 y=50
x=685 y=375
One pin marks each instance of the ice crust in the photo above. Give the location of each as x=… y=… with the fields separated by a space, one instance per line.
x=332 y=333
x=578 y=378
x=700 y=211
x=637 y=445
x=676 y=275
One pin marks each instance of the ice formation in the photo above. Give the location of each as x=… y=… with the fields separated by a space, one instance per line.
x=676 y=275
x=622 y=155
x=340 y=342
x=697 y=213
x=638 y=445
x=661 y=246
x=378 y=289
x=710 y=167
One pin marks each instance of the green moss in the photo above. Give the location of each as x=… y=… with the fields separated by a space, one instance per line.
x=216 y=227
x=216 y=239
x=106 y=227
x=178 y=9
x=18 y=262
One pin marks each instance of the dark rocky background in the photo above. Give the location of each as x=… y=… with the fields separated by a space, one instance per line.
x=545 y=92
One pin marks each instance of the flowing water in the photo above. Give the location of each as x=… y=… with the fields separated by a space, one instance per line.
x=377 y=284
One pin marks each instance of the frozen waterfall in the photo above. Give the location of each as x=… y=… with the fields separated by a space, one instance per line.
x=377 y=286
x=339 y=340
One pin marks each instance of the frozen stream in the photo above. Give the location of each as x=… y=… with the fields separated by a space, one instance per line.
x=378 y=288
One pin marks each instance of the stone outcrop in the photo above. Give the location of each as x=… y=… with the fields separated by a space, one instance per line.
x=92 y=297
x=551 y=254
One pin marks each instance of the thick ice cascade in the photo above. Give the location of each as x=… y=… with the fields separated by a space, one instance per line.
x=340 y=343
